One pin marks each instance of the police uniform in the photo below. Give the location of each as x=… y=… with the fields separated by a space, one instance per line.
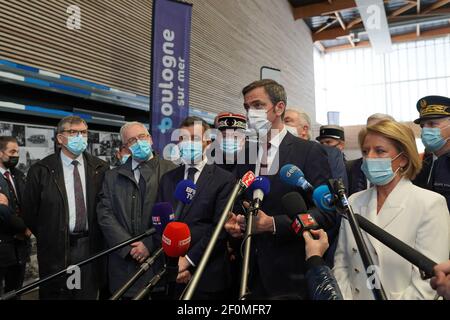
x=435 y=173
x=336 y=158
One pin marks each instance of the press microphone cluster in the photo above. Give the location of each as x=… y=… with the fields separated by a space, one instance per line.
x=242 y=185
x=176 y=240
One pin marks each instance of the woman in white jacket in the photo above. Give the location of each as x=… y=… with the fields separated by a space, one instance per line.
x=416 y=216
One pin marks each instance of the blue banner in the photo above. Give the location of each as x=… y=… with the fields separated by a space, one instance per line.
x=170 y=68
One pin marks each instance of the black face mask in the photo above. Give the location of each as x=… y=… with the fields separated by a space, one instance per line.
x=11 y=163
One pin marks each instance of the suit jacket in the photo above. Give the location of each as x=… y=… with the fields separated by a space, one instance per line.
x=12 y=251
x=415 y=216
x=214 y=186
x=357 y=181
x=46 y=212
x=121 y=216
x=280 y=258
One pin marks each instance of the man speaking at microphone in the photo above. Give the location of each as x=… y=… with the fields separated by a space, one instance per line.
x=214 y=186
x=278 y=258
x=125 y=206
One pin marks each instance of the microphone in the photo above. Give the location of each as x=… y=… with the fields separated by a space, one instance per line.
x=184 y=193
x=324 y=199
x=422 y=262
x=162 y=214
x=260 y=188
x=243 y=184
x=176 y=240
x=293 y=176
x=295 y=206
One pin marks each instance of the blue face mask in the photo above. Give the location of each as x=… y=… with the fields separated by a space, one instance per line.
x=77 y=145
x=124 y=159
x=191 y=151
x=379 y=170
x=141 y=150
x=432 y=139
x=230 y=146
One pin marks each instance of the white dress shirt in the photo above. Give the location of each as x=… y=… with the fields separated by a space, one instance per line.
x=199 y=166
x=70 y=186
x=273 y=157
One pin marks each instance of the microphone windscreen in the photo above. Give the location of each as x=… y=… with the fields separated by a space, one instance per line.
x=261 y=183
x=291 y=174
x=176 y=239
x=248 y=179
x=323 y=199
x=185 y=191
x=293 y=203
x=162 y=214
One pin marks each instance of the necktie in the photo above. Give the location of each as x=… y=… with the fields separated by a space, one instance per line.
x=191 y=173
x=265 y=159
x=142 y=189
x=80 y=206
x=12 y=192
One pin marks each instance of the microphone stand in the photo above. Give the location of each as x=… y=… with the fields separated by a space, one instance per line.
x=152 y=283
x=38 y=282
x=142 y=269
x=337 y=188
x=243 y=289
x=192 y=285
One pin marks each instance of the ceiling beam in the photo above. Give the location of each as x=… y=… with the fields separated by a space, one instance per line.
x=354 y=22
x=319 y=46
x=341 y=22
x=326 y=26
x=403 y=9
x=334 y=33
x=412 y=36
x=436 y=5
x=318 y=9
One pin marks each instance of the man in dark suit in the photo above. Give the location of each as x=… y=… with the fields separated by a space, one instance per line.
x=14 y=243
x=278 y=256
x=59 y=207
x=214 y=186
x=125 y=206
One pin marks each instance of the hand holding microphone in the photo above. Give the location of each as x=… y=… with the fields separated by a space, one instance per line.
x=316 y=243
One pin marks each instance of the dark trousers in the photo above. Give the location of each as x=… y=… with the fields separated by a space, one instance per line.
x=11 y=278
x=59 y=288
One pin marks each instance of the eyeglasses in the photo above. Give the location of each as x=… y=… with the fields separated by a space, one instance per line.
x=73 y=133
x=133 y=140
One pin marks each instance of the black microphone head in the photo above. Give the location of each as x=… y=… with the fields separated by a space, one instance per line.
x=293 y=203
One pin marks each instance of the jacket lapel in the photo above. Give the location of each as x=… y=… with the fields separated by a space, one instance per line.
x=394 y=204
x=150 y=172
x=203 y=181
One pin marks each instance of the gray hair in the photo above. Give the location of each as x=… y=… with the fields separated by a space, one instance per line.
x=378 y=117
x=306 y=118
x=128 y=125
x=69 y=120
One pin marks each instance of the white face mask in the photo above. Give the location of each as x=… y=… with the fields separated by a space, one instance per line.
x=257 y=120
x=292 y=130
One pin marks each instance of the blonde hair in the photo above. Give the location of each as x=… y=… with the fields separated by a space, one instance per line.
x=403 y=138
